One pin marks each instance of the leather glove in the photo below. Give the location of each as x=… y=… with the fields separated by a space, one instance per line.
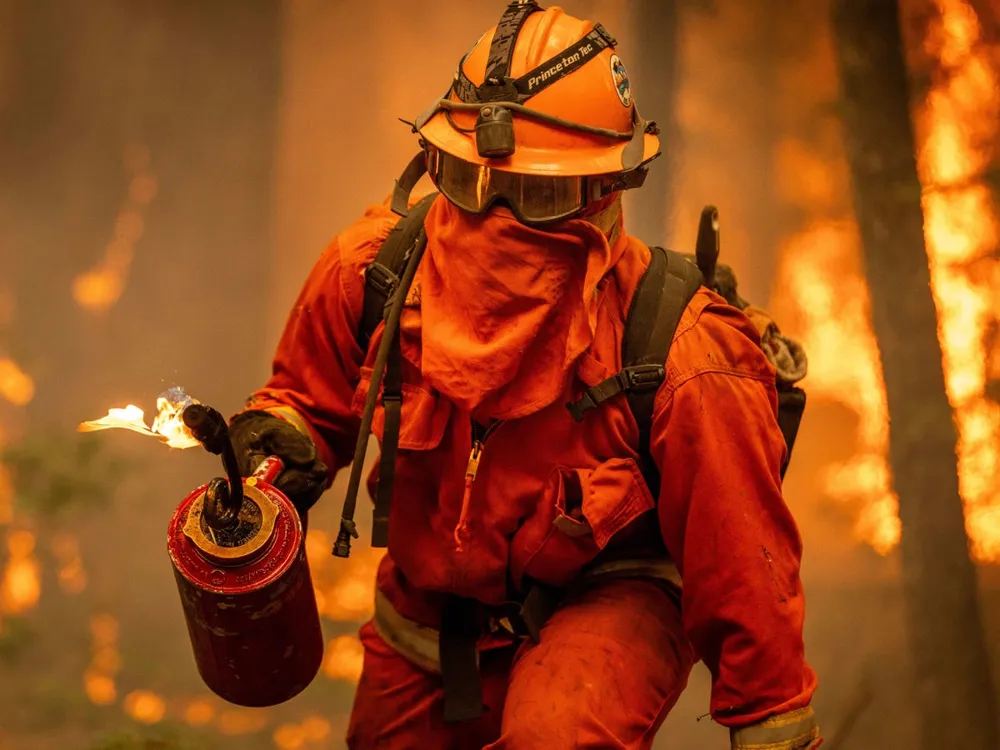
x=258 y=434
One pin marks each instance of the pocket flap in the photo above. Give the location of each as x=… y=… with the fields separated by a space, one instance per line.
x=423 y=417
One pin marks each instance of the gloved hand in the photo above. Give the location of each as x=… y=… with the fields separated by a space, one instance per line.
x=258 y=434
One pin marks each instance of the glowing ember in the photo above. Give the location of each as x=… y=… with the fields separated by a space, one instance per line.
x=21 y=585
x=104 y=630
x=289 y=737
x=15 y=384
x=345 y=589
x=344 y=659
x=98 y=680
x=199 y=712
x=100 y=688
x=72 y=576
x=316 y=728
x=958 y=124
x=246 y=721
x=144 y=706
x=6 y=497
x=167 y=424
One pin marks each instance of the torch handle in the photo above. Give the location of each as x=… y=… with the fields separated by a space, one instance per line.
x=269 y=469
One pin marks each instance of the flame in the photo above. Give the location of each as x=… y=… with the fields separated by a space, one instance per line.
x=344 y=659
x=21 y=586
x=15 y=384
x=831 y=299
x=956 y=126
x=99 y=288
x=145 y=706
x=167 y=424
x=959 y=122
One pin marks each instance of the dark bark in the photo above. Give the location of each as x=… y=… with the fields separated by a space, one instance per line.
x=954 y=692
x=655 y=74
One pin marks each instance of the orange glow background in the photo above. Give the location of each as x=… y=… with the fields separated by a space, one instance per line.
x=160 y=214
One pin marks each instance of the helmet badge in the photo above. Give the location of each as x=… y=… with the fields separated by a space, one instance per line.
x=622 y=84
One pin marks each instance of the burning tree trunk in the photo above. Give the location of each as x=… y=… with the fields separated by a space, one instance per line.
x=955 y=694
x=656 y=70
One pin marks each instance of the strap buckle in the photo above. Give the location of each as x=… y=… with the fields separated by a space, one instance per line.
x=641 y=377
x=381 y=278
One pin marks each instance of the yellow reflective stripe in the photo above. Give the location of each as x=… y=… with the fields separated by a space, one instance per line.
x=794 y=730
x=662 y=568
x=291 y=415
x=417 y=643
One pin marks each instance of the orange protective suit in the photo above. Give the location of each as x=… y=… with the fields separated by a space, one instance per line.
x=508 y=322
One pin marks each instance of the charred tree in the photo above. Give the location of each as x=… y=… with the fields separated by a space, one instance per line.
x=955 y=695
x=655 y=68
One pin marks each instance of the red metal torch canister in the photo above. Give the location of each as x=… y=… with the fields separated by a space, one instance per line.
x=244 y=582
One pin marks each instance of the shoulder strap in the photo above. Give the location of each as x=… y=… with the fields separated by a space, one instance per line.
x=384 y=279
x=657 y=306
x=663 y=292
x=382 y=274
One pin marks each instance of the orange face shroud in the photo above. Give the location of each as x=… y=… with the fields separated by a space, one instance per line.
x=562 y=135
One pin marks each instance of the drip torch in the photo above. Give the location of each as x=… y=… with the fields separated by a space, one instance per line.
x=238 y=551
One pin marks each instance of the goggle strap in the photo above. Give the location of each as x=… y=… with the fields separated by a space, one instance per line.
x=538 y=79
x=504 y=38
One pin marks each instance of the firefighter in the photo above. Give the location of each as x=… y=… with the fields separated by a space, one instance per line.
x=517 y=305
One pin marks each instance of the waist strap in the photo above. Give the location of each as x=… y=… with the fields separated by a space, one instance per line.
x=421 y=645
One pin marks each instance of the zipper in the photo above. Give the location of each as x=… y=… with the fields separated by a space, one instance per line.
x=480 y=435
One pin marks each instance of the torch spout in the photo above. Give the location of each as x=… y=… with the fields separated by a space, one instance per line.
x=222 y=502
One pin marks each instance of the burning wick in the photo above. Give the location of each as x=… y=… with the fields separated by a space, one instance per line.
x=167 y=424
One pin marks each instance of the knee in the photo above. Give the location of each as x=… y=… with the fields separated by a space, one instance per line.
x=553 y=723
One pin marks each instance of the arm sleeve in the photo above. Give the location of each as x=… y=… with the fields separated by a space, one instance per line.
x=717 y=444
x=317 y=361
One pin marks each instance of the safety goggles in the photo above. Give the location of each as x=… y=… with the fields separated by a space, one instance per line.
x=533 y=199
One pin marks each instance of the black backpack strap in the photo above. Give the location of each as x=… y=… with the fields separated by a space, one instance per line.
x=381 y=283
x=665 y=289
x=652 y=320
x=382 y=274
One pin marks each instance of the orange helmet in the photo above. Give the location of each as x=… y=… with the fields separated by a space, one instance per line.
x=540 y=114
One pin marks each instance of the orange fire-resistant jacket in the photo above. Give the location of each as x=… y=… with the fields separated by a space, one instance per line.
x=715 y=440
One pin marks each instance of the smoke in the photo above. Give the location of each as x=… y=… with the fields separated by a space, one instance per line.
x=269 y=128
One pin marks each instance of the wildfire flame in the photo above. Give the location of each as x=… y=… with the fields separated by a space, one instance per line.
x=167 y=424
x=99 y=288
x=959 y=124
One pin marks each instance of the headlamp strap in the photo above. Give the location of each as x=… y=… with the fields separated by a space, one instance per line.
x=538 y=79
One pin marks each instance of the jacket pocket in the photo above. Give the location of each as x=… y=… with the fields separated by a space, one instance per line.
x=423 y=417
x=579 y=512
